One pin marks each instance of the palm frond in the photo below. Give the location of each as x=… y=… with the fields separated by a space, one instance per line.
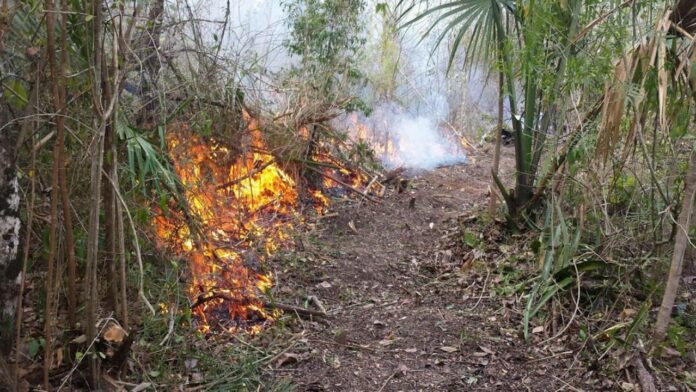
x=481 y=19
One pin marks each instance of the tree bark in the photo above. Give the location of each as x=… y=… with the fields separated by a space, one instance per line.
x=150 y=116
x=492 y=202
x=10 y=223
x=681 y=242
x=97 y=152
x=65 y=198
x=9 y=233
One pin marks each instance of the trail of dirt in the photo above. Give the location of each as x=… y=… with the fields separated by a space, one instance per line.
x=399 y=323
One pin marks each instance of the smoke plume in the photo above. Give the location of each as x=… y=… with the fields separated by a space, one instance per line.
x=401 y=139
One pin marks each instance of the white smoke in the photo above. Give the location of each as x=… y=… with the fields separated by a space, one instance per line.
x=427 y=97
x=401 y=139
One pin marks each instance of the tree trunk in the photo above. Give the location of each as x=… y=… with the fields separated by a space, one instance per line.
x=492 y=202
x=9 y=233
x=150 y=116
x=9 y=214
x=65 y=198
x=681 y=242
x=97 y=152
x=109 y=202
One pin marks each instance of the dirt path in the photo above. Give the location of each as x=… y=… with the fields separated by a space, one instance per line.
x=405 y=315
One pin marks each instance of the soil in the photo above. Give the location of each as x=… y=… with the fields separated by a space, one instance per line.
x=408 y=312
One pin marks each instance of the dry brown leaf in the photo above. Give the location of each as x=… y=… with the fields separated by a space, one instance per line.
x=287 y=359
x=351 y=225
x=114 y=334
x=324 y=285
x=57 y=358
x=662 y=82
x=487 y=350
x=80 y=339
x=627 y=313
x=613 y=107
x=141 y=387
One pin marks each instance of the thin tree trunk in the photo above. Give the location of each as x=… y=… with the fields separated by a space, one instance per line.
x=99 y=124
x=10 y=223
x=9 y=216
x=123 y=272
x=67 y=210
x=9 y=234
x=681 y=242
x=29 y=127
x=492 y=202
x=109 y=202
x=56 y=77
x=150 y=115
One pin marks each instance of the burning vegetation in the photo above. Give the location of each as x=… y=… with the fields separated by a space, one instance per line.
x=237 y=207
x=238 y=211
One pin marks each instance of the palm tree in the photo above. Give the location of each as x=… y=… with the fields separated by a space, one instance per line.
x=491 y=24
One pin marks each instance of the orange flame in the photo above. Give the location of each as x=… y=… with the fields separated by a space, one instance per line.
x=239 y=212
x=239 y=209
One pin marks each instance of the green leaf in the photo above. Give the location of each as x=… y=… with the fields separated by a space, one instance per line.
x=15 y=93
x=33 y=347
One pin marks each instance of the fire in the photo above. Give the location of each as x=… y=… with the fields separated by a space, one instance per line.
x=237 y=209
x=240 y=211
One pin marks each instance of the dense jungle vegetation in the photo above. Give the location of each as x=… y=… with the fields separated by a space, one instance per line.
x=199 y=195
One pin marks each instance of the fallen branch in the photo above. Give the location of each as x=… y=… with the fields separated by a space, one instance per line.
x=203 y=298
x=295 y=309
x=645 y=379
x=343 y=184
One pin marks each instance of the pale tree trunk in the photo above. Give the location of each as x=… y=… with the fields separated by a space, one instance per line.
x=9 y=214
x=9 y=233
x=681 y=242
